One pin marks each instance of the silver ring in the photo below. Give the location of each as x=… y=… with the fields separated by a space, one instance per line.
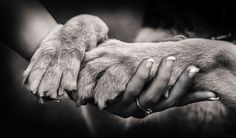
x=147 y=111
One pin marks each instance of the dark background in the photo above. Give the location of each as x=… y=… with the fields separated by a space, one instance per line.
x=20 y=110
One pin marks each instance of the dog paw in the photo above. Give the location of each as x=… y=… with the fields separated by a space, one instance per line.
x=106 y=72
x=54 y=68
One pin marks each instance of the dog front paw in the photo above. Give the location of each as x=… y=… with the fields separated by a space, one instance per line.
x=106 y=72
x=53 y=68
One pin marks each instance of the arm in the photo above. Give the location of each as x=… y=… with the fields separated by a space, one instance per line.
x=24 y=24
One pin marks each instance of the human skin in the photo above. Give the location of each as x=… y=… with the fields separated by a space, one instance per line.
x=29 y=30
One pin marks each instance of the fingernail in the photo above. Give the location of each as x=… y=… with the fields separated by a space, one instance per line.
x=171 y=58
x=149 y=63
x=166 y=95
x=170 y=61
x=192 y=71
x=214 y=98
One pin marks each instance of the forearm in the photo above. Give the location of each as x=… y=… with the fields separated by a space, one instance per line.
x=24 y=24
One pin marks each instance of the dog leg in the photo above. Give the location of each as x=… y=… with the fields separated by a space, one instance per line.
x=54 y=68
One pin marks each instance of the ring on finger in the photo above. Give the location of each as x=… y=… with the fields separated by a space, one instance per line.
x=147 y=111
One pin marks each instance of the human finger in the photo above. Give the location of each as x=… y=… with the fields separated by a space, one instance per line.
x=198 y=96
x=159 y=85
x=181 y=87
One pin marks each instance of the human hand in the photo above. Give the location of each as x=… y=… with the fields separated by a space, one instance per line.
x=156 y=96
x=108 y=68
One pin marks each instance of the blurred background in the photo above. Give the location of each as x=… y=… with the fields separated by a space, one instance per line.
x=20 y=110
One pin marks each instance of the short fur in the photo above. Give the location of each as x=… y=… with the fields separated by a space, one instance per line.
x=107 y=69
x=54 y=67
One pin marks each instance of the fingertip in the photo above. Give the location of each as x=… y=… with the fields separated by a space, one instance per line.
x=170 y=62
x=144 y=69
x=171 y=58
x=192 y=71
x=150 y=60
x=205 y=95
x=183 y=84
x=211 y=96
x=149 y=63
x=199 y=96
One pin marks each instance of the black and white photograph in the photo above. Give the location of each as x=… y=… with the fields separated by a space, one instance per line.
x=118 y=69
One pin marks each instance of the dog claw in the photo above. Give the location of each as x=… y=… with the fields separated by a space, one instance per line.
x=41 y=101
